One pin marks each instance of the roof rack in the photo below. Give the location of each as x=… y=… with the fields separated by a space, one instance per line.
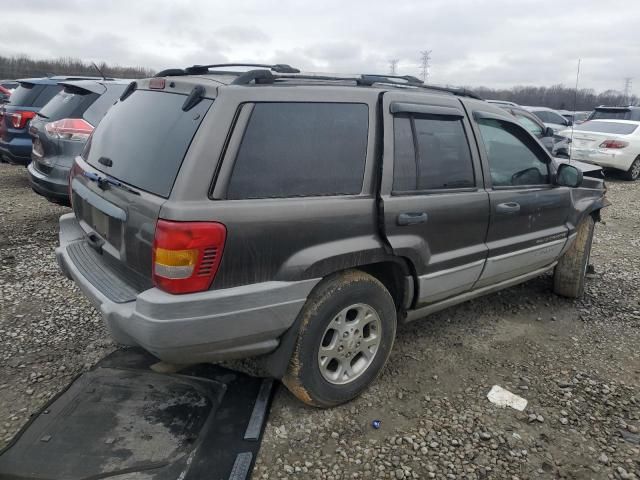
x=367 y=80
x=204 y=69
x=264 y=75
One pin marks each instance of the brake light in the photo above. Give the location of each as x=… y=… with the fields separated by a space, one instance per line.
x=156 y=83
x=186 y=255
x=613 y=144
x=75 y=129
x=20 y=119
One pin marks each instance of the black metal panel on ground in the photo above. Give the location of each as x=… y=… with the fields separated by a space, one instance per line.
x=122 y=420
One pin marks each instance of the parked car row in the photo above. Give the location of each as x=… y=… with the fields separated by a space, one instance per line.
x=61 y=129
x=608 y=136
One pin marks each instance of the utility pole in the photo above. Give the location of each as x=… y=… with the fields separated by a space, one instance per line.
x=425 y=59
x=393 y=66
x=627 y=89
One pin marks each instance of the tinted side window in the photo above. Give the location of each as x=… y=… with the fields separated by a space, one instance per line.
x=514 y=158
x=301 y=149
x=443 y=157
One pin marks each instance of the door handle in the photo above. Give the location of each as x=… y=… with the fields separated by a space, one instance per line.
x=508 y=208
x=412 y=218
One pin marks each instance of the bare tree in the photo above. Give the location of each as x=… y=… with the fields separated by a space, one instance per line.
x=425 y=63
x=393 y=66
x=23 y=67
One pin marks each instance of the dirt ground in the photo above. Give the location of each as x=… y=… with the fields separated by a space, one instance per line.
x=576 y=362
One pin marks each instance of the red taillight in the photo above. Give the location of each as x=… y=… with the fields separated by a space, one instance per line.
x=613 y=144
x=20 y=119
x=75 y=129
x=186 y=255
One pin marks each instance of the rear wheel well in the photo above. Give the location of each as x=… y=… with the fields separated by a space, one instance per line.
x=392 y=275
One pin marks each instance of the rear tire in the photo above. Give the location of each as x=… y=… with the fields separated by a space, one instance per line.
x=634 y=170
x=570 y=273
x=348 y=326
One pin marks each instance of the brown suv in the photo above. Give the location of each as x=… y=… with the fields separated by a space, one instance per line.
x=300 y=218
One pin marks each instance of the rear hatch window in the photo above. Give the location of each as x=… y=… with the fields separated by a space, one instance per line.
x=33 y=95
x=606 y=127
x=146 y=137
x=70 y=103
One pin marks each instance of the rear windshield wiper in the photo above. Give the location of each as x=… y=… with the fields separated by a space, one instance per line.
x=41 y=115
x=104 y=181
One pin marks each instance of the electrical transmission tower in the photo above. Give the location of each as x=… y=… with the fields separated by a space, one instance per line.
x=393 y=66
x=627 y=90
x=425 y=60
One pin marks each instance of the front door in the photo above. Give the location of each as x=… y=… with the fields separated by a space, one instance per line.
x=436 y=210
x=528 y=228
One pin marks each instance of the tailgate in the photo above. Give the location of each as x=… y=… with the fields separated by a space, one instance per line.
x=118 y=221
x=127 y=171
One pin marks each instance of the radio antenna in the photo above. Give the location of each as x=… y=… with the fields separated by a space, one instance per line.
x=99 y=71
x=575 y=103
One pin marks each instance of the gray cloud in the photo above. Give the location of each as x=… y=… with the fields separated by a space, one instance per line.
x=496 y=43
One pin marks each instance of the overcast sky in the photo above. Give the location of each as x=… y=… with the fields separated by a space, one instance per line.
x=496 y=43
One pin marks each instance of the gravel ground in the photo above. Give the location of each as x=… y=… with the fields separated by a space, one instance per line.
x=576 y=362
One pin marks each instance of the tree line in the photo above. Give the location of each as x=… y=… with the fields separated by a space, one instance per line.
x=557 y=97
x=24 y=67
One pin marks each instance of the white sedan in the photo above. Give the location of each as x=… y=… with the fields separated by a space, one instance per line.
x=608 y=143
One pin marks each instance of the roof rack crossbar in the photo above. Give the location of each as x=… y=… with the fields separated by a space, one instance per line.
x=257 y=76
x=278 y=67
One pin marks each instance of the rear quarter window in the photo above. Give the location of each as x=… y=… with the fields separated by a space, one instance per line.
x=301 y=150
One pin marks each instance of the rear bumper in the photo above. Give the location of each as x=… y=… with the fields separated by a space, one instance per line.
x=17 y=150
x=608 y=158
x=50 y=187
x=192 y=328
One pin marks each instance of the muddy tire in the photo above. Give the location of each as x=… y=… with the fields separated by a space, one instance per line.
x=634 y=170
x=570 y=273
x=347 y=329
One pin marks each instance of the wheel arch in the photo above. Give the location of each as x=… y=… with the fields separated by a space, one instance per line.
x=395 y=273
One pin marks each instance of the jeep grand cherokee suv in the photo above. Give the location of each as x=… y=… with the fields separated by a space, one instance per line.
x=300 y=218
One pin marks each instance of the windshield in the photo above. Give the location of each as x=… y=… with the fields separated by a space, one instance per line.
x=606 y=127
x=146 y=137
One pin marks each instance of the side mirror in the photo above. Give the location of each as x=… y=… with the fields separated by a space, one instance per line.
x=548 y=132
x=568 y=176
x=569 y=123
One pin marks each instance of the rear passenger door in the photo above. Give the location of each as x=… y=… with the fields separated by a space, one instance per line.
x=436 y=210
x=528 y=228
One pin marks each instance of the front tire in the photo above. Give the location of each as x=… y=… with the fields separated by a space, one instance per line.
x=570 y=273
x=634 y=170
x=348 y=326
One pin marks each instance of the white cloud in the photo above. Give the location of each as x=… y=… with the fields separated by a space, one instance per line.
x=495 y=43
